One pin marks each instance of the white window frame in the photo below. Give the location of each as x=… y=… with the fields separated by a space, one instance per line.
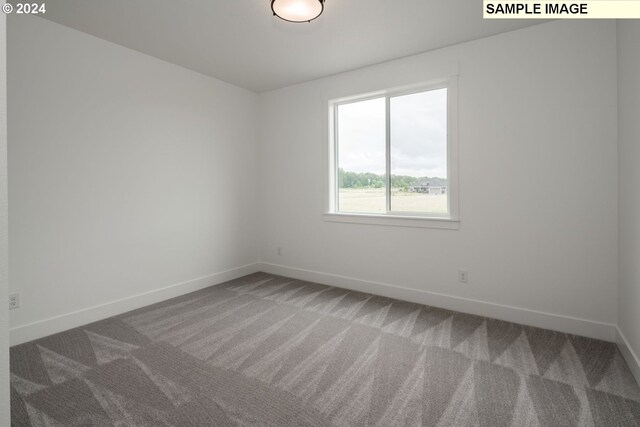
x=394 y=218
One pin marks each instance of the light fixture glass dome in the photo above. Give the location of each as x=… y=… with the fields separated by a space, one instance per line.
x=297 y=10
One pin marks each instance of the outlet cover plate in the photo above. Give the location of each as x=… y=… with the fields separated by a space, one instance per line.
x=14 y=301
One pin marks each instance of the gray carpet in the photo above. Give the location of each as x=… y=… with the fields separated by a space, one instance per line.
x=268 y=350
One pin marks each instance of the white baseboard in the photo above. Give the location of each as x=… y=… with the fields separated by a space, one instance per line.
x=561 y=323
x=42 y=328
x=629 y=355
x=583 y=327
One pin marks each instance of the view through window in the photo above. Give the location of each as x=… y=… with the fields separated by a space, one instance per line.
x=392 y=154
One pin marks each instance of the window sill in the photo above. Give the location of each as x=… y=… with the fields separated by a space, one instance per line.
x=393 y=220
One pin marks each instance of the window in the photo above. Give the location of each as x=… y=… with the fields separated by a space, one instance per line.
x=392 y=155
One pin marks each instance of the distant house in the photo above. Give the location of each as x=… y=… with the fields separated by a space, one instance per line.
x=419 y=188
x=426 y=188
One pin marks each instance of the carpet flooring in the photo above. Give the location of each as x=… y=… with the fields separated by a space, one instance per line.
x=268 y=350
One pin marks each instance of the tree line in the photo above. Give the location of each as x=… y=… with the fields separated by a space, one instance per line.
x=348 y=179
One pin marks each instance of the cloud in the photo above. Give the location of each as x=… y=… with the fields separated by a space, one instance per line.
x=361 y=136
x=418 y=135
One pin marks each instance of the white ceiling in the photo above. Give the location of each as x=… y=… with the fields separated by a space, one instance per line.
x=240 y=42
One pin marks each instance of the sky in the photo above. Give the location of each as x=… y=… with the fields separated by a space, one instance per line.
x=418 y=135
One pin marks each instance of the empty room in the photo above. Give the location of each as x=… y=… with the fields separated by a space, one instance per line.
x=320 y=213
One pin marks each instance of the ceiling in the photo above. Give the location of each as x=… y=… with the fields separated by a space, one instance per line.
x=240 y=42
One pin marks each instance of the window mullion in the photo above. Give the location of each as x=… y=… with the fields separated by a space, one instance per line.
x=388 y=151
x=336 y=160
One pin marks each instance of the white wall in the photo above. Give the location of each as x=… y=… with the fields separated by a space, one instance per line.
x=629 y=177
x=127 y=174
x=538 y=177
x=4 y=264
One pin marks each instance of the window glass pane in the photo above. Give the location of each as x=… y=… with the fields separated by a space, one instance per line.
x=419 y=152
x=361 y=156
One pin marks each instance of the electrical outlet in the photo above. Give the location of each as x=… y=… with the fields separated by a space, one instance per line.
x=279 y=251
x=463 y=276
x=14 y=301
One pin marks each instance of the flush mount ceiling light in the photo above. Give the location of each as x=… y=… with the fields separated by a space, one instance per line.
x=297 y=10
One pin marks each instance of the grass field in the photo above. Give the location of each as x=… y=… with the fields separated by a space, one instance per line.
x=372 y=200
